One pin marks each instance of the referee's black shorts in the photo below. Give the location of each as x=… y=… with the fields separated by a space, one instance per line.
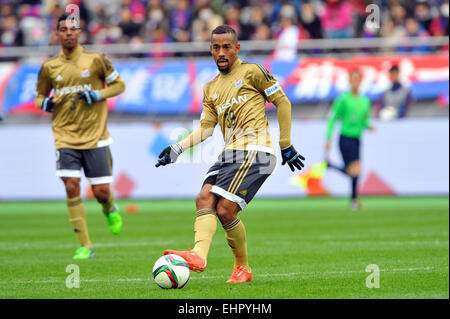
x=349 y=147
x=238 y=175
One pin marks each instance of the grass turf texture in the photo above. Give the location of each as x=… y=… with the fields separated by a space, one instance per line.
x=298 y=248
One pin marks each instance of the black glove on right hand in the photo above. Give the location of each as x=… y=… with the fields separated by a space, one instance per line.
x=169 y=155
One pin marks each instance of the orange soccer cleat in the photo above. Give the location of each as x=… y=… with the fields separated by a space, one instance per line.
x=240 y=274
x=196 y=263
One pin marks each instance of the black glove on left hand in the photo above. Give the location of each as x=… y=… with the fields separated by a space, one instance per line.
x=290 y=156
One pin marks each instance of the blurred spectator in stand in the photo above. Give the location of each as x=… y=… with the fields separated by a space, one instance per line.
x=253 y=17
x=130 y=27
x=359 y=18
x=32 y=26
x=422 y=14
x=233 y=19
x=398 y=97
x=417 y=34
x=398 y=14
x=11 y=34
x=204 y=22
x=337 y=19
x=288 y=38
x=391 y=34
x=180 y=21
x=439 y=25
x=277 y=6
x=156 y=17
x=310 y=21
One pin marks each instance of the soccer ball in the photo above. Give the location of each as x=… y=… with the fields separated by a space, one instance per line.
x=171 y=272
x=388 y=113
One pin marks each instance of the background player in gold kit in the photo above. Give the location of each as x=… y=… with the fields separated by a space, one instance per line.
x=79 y=121
x=236 y=100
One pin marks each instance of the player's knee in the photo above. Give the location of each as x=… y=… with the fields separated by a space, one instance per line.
x=226 y=211
x=354 y=168
x=205 y=199
x=72 y=186
x=101 y=193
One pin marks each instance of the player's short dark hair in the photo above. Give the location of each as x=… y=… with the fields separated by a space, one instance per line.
x=394 y=68
x=63 y=17
x=223 y=29
x=354 y=70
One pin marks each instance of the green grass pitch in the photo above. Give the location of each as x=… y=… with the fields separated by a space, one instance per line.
x=298 y=248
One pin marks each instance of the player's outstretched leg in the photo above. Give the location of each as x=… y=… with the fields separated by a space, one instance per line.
x=204 y=229
x=105 y=197
x=195 y=262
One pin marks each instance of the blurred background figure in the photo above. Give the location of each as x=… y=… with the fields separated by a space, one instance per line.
x=289 y=35
x=310 y=21
x=397 y=99
x=337 y=21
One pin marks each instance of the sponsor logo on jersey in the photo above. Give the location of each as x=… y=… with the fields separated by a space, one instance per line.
x=73 y=89
x=215 y=96
x=240 y=99
x=271 y=90
x=238 y=83
x=58 y=78
x=85 y=73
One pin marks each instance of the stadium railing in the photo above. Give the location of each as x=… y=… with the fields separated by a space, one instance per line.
x=305 y=46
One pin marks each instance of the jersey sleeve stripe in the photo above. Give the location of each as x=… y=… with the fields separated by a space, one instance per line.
x=265 y=75
x=267 y=72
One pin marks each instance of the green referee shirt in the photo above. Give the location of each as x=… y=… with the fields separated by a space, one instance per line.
x=354 y=113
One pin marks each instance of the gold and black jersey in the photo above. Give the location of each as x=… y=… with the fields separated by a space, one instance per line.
x=75 y=123
x=237 y=102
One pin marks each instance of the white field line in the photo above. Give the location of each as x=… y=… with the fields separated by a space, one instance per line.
x=334 y=240
x=290 y=274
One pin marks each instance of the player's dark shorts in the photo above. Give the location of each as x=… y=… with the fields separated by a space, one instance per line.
x=238 y=175
x=349 y=147
x=96 y=164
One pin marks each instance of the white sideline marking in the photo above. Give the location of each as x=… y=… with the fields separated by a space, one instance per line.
x=219 y=277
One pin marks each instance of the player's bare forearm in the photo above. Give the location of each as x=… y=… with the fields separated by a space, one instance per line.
x=113 y=89
x=284 y=120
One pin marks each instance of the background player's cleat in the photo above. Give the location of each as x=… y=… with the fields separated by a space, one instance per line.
x=239 y=275
x=196 y=263
x=83 y=253
x=355 y=205
x=114 y=220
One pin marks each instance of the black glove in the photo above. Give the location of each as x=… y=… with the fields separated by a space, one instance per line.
x=290 y=156
x=169 y=155
x=48 y=105
x=90 y=97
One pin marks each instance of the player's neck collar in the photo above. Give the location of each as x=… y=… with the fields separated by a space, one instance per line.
x=233 y=67
x=75 y=54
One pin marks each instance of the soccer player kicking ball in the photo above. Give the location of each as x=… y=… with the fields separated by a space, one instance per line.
x=353 y=110
x=236 y=99
x=79 y=116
